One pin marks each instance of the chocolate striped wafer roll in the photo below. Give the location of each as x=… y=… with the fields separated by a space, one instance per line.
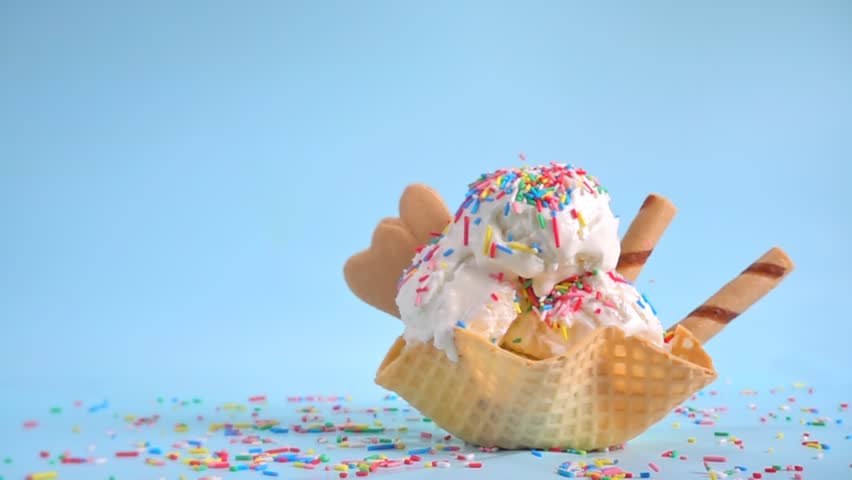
x=642 y=236
x=738 y=295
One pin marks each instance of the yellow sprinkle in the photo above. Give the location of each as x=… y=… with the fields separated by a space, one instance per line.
x=129 y=418
x=341 y=467
x=198 y=451
x=377 y=423
x=444 y=265
x=439 y=446
x=564 y=332
x=779 y=436
x=44 y=475
x=517 y=307
x=310 y=451
x=484 y=193
x=521 y=247
x=676 y=425
x=691 y=439
x=713 y=475
x=770 y=450
x=581 y=219
x=243 y=425
x=402 y=429
x=487 y=239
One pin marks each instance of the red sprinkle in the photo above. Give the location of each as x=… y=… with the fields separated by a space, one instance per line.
x=466 y=229
x=474 y=465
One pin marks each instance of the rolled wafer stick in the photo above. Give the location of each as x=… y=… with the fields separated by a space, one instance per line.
x=738 y=295
x=654 y=216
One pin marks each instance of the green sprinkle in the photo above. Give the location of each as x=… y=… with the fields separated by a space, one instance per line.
x=541 y=220
x=244 y=456
x=56 y=410
x=426 y=419
x=721 y=434
x=159 y=399
x=7 y=460
x=329 y=424
x=517 y=340
x=324 y=458
x=196 y=400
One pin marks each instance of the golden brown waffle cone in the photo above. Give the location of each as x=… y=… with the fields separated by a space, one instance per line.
x=605 y=391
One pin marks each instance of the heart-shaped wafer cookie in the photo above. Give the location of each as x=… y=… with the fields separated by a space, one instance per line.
x=372 y=274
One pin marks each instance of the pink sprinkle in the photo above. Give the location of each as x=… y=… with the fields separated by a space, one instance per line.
x=417 y=300
x=715 y=459
x=654 y=466
x=30 y=424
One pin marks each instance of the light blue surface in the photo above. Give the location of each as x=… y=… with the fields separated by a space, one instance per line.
x=180 y=184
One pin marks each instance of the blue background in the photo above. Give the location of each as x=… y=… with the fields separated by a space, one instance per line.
x=181 y=183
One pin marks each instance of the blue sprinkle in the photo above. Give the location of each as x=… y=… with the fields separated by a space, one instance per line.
x=419 y=451
x=382 y=446
x=565 y=473
x=547 y=307
x=536 y=247
x=315 y=430
x=639 y=302
x=536 y=453
x=741 y=468
x=645 y=475
x=242 y=467
x=461 y=324
x=262 y=466
x=478 y=220
x=270 y=473
x=448 y=252
x=279 y=430
x=154 y=451
x=649 y=304
x=506 y=210
x=509 y=238
x=194 y=443
x=255 y=450
x=504 y=249
x=467 y=201
x=475 y=207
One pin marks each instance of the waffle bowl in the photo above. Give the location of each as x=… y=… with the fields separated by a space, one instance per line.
x=603 y=391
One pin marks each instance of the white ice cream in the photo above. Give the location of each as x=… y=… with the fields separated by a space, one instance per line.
x=586 y=302
x=504 y=230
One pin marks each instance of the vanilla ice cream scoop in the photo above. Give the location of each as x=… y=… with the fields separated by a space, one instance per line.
x=441 y=294
x=575 y=308
x=544 y=223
